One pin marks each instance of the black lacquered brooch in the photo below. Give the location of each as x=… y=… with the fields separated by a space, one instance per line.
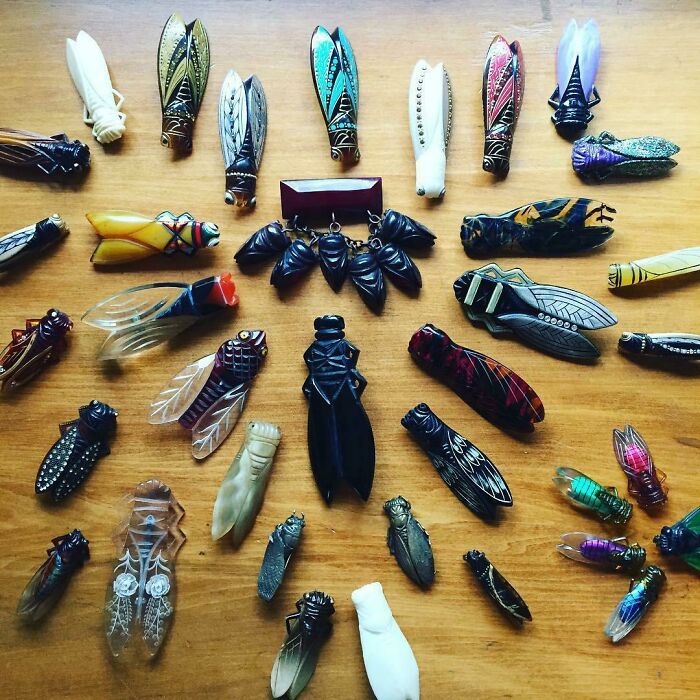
x=299 y=247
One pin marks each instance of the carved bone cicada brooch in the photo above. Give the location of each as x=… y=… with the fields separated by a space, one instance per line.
x=366 y=262
x=542 y=315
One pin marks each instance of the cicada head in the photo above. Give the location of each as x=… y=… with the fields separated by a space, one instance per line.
x=477 y=561
x=208 y=235
x=55 y=324
x=74 y=156
x=319 y=604
x=427 y=344
x=73 y=548
x=244 y=354
x=399 y=511
x=482 y=234
x=292 y=528
x=585 y=155
x=672 y=539
x=329 y=327
x=100 y=417
x=633 y=343
x=420 y=420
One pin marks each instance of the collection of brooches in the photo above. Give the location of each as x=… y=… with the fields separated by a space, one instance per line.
x=208 y=396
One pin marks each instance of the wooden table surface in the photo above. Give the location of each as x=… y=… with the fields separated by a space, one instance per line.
x=223 y=639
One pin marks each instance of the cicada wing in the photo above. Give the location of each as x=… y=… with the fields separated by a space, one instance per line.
x=566 y=304
x=13 y=244
x=506 y=596
x=622 y=441
x=465 y=490
x=414 y=554
x=142 y=337
x=233 y=117
x=295 y=663
x=327 y=69
x=120 y=608
x=88 y=68
x=273 y=566
x=626 y=616
x=171 y=67
x=125 y=309
x=692 y=520
x=182 y=389
x=37 y=597
x=549 y=337
x=352 y=81
x=645 y=147
x=582 y=45
x=257 y=116
x=80 y=467
x=640 y=167
x=159 y=597
x=14 y=357
x=198 y=63
x=55 y=463
x=692 y=559
x=218 y=421
x=571 y=544
x=116 y=223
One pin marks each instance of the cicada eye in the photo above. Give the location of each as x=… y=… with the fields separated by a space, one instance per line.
x=244 y=335
x=263 y=352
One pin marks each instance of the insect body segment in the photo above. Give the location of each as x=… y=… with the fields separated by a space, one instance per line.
x=26 y=242
x=682 y=539
x=127 y=236
x=40 y=343
x=675 y=346
x=466 y=470
x=280 y=547
x=616 y=554
x=74 y=455
x=585 y=492
x=69 y=553
x=545 y=316
x=53 y=156
x=644 y=590
x=142 y=592
x=307 y=630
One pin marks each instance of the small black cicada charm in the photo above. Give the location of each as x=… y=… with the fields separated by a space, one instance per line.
x=467 y=471
x=307 y=630
x=496 y=587
x=83 y=441
x=409 y=542
x=280 y=547
x=341 y=442
x=46 y=586
x=672 y=346
x=53 y=156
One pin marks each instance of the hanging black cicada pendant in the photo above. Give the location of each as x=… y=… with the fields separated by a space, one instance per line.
x=280 y=547
x=46 y=586
x=83 y=441
x=299 y=247
x=341 y=442
x=52 y=156
x=496 y=586
x=467 y=471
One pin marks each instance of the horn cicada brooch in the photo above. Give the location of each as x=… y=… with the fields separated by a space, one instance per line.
x=142 y=591
x=183 y=70
x=53 y=156
x=337 y=85
x=502 y=96
x=28 y=241
x=547 y=317
x=299 y=247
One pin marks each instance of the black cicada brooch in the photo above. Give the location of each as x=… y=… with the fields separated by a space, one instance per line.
x=280 y=547
x=28 y=241
x=54 y=156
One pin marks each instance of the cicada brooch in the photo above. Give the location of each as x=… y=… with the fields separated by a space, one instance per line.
x=676 y=262
x=208 y=396
x=281 y=544
x=490 y=388
x=74 y=455
x=467 y=471
x=142 y=591
x=53 y=156
x=23 y=244
x=242 y=130
x=143 y=317
x=128 y=236
x=616 y=554
x=547 y=317
x=40 y=343
x=365 y=262
x=183 y=70
x=644 y=481
x=68 y=554
x=673 y=346
x=682 y=539
x=337 y=85
x=549 y=227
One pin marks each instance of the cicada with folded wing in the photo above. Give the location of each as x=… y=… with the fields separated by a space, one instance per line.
x=22 y=244
x=54 y=156
x=280 y=546
x=617 y=553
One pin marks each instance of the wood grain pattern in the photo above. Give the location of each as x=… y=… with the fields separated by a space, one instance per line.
x=223 y=640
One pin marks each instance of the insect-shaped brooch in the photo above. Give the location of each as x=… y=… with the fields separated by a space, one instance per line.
x=128 y=236
x=682 y=539
x=280 y=546
x=334 y=71
x=307 y=630
x=644 y=481
x=340 y=437
x=548 y=227
x=547 y=317
x=643 y=591
x=26 y=242
x=40 y=343
x=583 y=491
x=616 y=553
x=602 y=156
x=496 y=587
x=467 y=471
x=502 y=92
x=142 y=591
x=409 y=542
x=90 y=74
x=53 y=156
x=242 y=131
x=208 y=396
x=578 y=57
x=673 y=346
x=143 y=317
x=74 y=455
x=241 y=493
x=46 y=586
x=183 y=70
x=430 y=121
x=490 y=388
x=677 y=262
